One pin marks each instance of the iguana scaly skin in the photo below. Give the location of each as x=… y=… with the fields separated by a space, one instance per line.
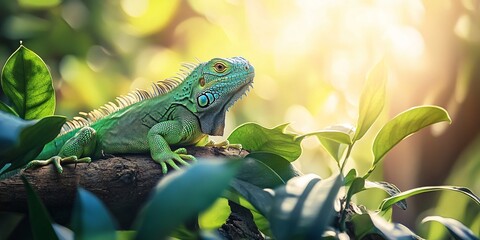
x=178 y=112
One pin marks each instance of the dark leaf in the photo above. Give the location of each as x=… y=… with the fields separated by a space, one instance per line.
x=90 y=218
x=8 y=222
x=32 y=136
x=304 y=207
x=182 y=195
x=266 y=170
x=38 y=215
x=260 y=199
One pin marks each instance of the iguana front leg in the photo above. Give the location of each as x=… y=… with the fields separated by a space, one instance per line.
x=167 y=133
x=81 y=144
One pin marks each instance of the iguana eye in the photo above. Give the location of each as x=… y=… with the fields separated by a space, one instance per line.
x=201 y=81
x=219 y=67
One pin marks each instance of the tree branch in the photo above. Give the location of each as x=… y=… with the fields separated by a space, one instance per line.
x=123 y=183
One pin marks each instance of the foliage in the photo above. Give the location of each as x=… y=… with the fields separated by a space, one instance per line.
x=29 y=124
x=286 y=203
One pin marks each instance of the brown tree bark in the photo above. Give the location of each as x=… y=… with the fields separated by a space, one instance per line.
x=123 y=184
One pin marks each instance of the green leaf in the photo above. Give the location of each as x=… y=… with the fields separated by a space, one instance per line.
x=39 y=4
x=358 y=184
x=182 y=195
x=38 y=215
x=8 y=222
x=388 y=202
x=32 y=136
x=389 y=188
x=26 y=81
x=90 y=218
x=260 y=199
x=336 y=133
x=304 y=207
x=334 y=139
x=365 y=224
x=266 y=170
x=126 y=234
x=456 y=228
x=372 y=99
x=215 y=216
x=5 y=108
x=351 y=175
x=405 y=124
x=256 y=138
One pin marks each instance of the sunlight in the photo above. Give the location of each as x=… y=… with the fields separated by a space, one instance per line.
x=135 y=8
x=406 y=45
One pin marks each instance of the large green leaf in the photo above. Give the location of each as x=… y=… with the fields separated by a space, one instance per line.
x=182 y=195
x=31 y=137
x=266 y=170
x=90 y=218
x=405 y=124
x=372 y=99
x=256 y=138
x=388 y=202
x=365 y=224
x=26 y=81
x=304 y=207
x=38 y=215
x=456 y=228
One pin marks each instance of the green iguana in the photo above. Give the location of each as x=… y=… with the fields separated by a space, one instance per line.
x=178 y=112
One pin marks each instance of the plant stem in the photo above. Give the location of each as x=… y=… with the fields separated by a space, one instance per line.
x=347 y=200
x=349 y=150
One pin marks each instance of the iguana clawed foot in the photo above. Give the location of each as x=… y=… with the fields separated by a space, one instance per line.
x=57 y=161
x=224 y=144
x=179 y=155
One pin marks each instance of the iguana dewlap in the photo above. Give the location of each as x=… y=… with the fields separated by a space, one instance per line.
x=178 y=112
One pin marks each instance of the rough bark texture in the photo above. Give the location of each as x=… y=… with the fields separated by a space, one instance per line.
x=123 y=183
x=240 y=224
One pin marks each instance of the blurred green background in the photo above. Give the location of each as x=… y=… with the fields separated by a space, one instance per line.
x=311 y=59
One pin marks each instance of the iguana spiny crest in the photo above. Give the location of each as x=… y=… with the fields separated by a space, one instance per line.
x=207 y=89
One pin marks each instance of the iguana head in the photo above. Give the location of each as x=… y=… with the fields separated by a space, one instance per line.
x=215 y=86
